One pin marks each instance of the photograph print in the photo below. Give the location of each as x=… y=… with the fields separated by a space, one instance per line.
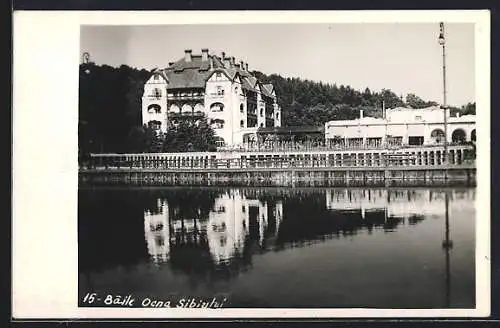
x=278 y=166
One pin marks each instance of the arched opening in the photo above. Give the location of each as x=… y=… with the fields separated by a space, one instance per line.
x=437 y=136
x=154 y=108
x=458 y=136
x=473 y=135
x=217 y=107
x=262 y=112
x=242 y=124
x=241 y=108
x=187 y=108
x=175 y=109
x=217 y=123
x=198 y=108
x=155 y=125
x=219 y=141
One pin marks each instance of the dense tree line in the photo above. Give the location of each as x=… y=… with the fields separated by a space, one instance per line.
x=110 y=109
x=307 y=102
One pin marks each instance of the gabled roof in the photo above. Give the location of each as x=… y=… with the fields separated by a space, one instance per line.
x=161 y=73
x=267 y=89
x=194 y=73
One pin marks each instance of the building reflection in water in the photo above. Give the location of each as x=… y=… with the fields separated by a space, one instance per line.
x=157 y=231
x=226 y=230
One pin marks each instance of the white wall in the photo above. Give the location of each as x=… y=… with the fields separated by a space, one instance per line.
x=148 y=99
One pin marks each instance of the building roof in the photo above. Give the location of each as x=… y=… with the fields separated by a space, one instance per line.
x=292 y=129
x=361 y=121
x=193 y=74
x=267 y=89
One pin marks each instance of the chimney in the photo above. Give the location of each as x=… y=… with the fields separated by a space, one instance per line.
x=223 y=55
x=227 y=62
x=242 y=65
x=360 y=113
x=204 y=54
x=170 y=63
x=246 y=67
x=187 y=55
x=211 y=63
x=232 y=61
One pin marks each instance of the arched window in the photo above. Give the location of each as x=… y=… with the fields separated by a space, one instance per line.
x=437 y=135
x=473 y=135
x=261 y=112
x=458 y=136
x=154 y=108
x=217 y=123
x=219 y=141
x=242 y=123
x=241 y=108
x=155 y=77
x=217 y=107
x=155 y=125
x=277 y=116
x=261 y=125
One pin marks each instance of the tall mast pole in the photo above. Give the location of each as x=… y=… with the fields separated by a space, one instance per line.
x=443 y=44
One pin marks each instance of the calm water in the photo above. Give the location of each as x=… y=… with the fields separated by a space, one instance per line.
x=276 y=247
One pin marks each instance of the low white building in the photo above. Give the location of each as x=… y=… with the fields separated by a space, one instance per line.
x=402 y=126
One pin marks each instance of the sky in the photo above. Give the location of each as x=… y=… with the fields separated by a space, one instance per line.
x=403 y=57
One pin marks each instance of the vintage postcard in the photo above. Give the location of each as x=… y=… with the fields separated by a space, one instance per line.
x=251 y=164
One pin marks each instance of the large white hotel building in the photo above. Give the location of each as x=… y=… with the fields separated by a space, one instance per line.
x=219 y=88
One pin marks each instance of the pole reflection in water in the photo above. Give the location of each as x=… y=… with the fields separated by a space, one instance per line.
x=275 y=247
x=447 y=246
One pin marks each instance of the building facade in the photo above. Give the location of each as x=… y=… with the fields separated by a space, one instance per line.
x=224 y=91
x=402 y=126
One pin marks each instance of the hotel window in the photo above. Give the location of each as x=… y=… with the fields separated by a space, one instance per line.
x=156 y=93
x=220 y=91
x=217 y=107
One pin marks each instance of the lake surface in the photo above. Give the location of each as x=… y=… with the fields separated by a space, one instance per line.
x=280 y=247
